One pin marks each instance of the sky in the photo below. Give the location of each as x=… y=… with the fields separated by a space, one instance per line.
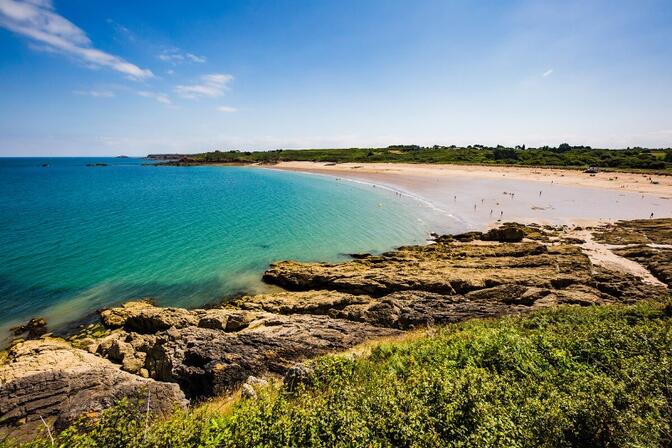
x=81 y=77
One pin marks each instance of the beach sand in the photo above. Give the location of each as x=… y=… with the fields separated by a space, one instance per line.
x=473 y=197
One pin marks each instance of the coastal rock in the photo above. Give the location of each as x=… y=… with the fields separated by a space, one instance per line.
x=249 y=388
x=145 y=318
x=33 y=329
x=508 y=233
x=645 y=241
x=326 y=307
x=443 y=268
x=461 y=237
x=658 y=260
x=304 y=302
x=207 y=362
x=638 y=231
x=51 y=379
x=296 y=376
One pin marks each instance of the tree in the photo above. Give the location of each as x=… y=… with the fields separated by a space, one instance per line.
x=501 y=153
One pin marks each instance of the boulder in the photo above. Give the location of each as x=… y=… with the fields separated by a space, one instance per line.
x=207 y=362
x=143 y=317
x=48 y=378
x=303 y=302
x=296 y=376
x=511 y=233
x=33 y=329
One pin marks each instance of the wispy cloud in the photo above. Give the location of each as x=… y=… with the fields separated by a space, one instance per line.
x=547 y=73
x=158 y=96
x=38 y=21
x=175 y=56
x=226 y=109
x=212 y=85
x=96 y=93
x=122 y=31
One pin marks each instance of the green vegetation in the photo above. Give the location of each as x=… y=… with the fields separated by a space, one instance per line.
x=567 y=377
x=562 y=156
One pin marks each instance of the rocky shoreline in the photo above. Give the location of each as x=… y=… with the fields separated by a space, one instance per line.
x=175 y=356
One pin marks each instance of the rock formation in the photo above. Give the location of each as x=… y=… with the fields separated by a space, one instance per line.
x=174 y=352
x=646 y=241
x=50 y=380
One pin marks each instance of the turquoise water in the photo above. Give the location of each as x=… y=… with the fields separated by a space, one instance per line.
x=75 y=238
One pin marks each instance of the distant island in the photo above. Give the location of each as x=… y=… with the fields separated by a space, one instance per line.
x=167 y=156
x=564 y=155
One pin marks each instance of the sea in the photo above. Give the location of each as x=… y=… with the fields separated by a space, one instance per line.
x=81 y=234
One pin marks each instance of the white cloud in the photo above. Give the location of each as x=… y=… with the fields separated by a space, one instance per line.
x=95 y=93
x=38 y=21
x=212 y=86
x=175 y=56
x=547 y=73
x=195 y=58
x=158 y=96
x=227 y=109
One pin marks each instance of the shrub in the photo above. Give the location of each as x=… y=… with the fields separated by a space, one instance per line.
x=568 y=377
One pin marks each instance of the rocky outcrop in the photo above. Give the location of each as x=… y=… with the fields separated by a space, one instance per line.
x=638 y=231
x=325 y=307
x=645 y=241
x=143 y=317
x=33 y=329
x=303 y=302
x=49 y=379
x=658 y=260
x=442 y=268
x=331 y=307
x=212 y=359
x=208 y=362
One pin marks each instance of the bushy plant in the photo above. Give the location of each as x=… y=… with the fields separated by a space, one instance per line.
x=567 y=377
x=562 y=156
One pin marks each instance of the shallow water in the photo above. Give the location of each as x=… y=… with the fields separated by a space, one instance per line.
x=477 y=202
x=75 y=238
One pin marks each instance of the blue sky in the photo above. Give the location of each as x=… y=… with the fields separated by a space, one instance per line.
x=81 y=77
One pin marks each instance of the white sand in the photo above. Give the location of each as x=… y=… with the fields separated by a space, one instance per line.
x=475 y=197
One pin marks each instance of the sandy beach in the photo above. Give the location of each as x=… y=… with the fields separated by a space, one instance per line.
x=473 y=197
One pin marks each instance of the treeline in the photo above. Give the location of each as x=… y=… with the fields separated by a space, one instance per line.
x=563 y=155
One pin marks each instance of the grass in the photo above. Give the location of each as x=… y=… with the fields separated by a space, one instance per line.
x=566 y=377
x=635 y=159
